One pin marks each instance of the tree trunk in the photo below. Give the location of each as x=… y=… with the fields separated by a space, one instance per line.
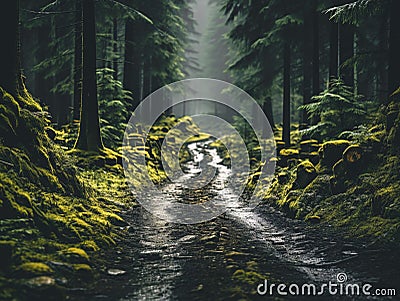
x=315 y=63
x=394 y=47
x=62 y=101
x=333 y=50
x=89 y=137
x=78 y=61
x=115 y=48
x=9 y=71
x=286 y=93
x=267 y=109
x=307 y=64
x=346 y=52
x=41 y=84
x=132 y=65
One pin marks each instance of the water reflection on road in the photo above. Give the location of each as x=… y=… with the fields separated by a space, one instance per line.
x=226 y=258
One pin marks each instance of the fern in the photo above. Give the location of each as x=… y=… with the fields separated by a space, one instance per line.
x=353 y=12
x=337 y=109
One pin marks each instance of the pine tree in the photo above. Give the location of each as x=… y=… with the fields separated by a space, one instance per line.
x=89 y=137
x=9 y=61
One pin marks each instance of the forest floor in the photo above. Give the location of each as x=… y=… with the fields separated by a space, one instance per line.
x=62 y=214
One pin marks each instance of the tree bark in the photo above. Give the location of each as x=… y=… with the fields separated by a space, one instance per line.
x=315 y=63
x=346 y=52
x=78 y=61
x=333 y=50
x=394 y=47
x=9 y=71
x=267 y=109
x=41 y=84
x=307 y=64
x=132 y=65
x=89 y=137
x=115 y=48
x=286 y=93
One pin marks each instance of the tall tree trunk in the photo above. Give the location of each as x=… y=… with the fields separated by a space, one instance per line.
x=132 y=65
x=267 y=109
x=394 y=47
x=307 y=63
x=286 y=93
x=315 y=63
x=9 y=71
x=333 y=50
x=89 y=137
x=41 y=84
x=346 y=52
x=62 y=101
x=147 y=76
x=115 y=48
x=78 y=60
x=381 y=89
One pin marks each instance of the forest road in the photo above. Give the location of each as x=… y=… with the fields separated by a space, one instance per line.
x=228 y=257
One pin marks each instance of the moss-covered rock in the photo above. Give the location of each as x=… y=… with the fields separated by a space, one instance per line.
x=6 y=250
x=30 y=269
x=287 y=155
x=83 y=271
x=331 y=152
x=305 y=174
x=76 y=255
x=309 y=146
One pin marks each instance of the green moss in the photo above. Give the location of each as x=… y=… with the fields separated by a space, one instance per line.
x=83 y=271
x=248 y=277
x=90 y=245
x=76 y=255
x=305 y=174
x=289 y=152
x=14 y=202
x=331 y=152
x=29 y=269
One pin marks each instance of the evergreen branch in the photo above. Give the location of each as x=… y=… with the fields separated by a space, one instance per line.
x=353 y=12
x=135 y=11
x=49 y=12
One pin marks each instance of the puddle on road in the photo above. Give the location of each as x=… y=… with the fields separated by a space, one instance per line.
x=223 y=259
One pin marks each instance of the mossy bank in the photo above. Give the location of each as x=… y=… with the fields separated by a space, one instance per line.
x=59 y=209
x=350 y=184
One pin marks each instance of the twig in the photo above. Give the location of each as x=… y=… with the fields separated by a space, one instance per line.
x=6 y=163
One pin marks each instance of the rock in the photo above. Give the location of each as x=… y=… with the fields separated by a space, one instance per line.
x=352 y=154
x=76 y=255
x=83 y=270
x=30 y=269
x=115 y=272
x=339 y=169
x=286 y=154
x=283 y=177
x=313 y=157
x=314 y=219
x=331 y=152
x=41 y=281
x=309 y=146
x=6 y=251
x=61 y=267
x=44 y=287
x=305 y=174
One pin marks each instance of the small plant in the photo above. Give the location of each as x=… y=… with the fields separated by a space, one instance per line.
x=113 y=104
x=337 y=108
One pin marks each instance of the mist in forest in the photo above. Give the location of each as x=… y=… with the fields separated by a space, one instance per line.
x=208 y=53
